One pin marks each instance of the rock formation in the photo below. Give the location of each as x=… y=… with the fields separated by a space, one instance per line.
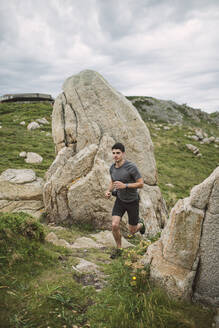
x=88 y=118
x=185 y=259
x=21 y=190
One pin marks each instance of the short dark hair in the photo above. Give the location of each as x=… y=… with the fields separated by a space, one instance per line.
x=119 y=145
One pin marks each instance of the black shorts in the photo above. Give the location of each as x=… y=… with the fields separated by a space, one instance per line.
x=132 y=209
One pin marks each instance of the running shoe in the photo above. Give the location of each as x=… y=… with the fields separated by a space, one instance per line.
x=142 y=230
x=116 y=253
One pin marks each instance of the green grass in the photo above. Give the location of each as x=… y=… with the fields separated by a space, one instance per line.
x=15 y=138
x=175 y=163
x=39 y=288
x=179 y=166
x=139 y=304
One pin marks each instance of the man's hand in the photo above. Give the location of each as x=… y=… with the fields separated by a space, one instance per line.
x=119 y=185
x=107 y=194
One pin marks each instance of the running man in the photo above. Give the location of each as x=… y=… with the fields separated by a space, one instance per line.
x=125 y=180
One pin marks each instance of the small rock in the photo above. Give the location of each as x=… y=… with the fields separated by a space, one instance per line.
x=166 y=128
x=23 y=154
x=206 y=141
x=86 y=266
x=91 y=274
x=56 y=227
x=33 y=158
x=211 y=139
x=194 y=138
x=106 y=238
x=199 y=134
x=52 y=238
x=194 y=149
x=22 y=123
x=170 y=185
x=42 y=120
x=33 y=126
x=85 y=242
x=18 y=176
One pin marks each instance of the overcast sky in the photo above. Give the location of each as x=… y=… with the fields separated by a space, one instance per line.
x=167 y=49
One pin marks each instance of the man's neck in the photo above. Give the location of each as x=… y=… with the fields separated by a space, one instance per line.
x=119 y=164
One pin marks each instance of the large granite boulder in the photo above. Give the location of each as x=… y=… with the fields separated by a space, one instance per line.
x=21 y=191
x=185 y=259
x=88 y=118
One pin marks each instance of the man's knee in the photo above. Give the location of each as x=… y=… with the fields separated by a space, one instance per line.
x=115 y=223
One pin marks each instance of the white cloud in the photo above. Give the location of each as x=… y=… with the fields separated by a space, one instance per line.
x=154 y=48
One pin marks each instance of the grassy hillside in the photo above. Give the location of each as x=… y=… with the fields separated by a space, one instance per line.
x=38 y=286
x=175 y=163
x=40 y=289
x=15 y=138
x=168 y=111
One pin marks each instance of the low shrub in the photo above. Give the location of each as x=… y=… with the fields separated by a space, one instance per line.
x=20 y=237
x=21 y=224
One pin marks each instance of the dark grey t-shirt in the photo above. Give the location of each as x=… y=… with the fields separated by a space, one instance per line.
x=127 y=173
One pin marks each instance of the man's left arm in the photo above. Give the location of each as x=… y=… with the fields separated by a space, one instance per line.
x=120 y=185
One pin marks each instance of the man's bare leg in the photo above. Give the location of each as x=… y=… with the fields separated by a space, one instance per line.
x=135 y=228
x=116 y=230
x=138 y=227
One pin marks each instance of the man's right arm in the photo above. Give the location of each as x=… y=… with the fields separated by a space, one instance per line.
x=109 y=190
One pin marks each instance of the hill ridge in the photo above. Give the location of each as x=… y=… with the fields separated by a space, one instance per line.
x=169 y=111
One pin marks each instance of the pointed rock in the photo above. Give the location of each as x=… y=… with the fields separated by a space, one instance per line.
x=88 y=118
